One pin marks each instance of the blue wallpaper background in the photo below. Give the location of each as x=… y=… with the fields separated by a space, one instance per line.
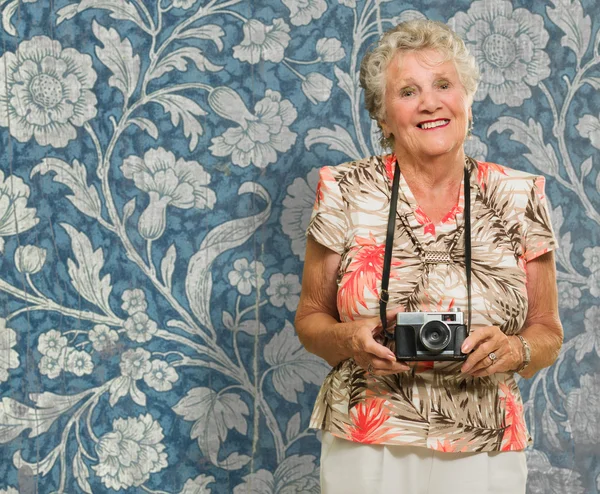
x=157 y=174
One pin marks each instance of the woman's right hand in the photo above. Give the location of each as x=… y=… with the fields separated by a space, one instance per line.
x=317 y=319
x=372 y=356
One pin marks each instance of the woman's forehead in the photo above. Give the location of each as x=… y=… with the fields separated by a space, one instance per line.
x=405 y=64
x=429 y=59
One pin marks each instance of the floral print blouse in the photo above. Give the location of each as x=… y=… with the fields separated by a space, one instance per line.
x=434 y=405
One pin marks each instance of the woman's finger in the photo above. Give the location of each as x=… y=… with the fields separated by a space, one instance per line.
x=392 y=313
x=496 y=366
x=379 y=350
x=390 y=319
x=475 y=359
x=485 y=364
x=381 y=367
x=481 y=343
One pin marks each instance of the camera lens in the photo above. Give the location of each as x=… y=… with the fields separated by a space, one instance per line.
x=435 y=336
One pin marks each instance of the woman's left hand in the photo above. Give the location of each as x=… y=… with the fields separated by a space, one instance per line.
x=486 y=341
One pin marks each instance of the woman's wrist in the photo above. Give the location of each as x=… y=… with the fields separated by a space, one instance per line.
x=517 y=350
x=525 y=353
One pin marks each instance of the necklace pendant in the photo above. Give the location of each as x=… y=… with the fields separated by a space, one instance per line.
x=437 y=257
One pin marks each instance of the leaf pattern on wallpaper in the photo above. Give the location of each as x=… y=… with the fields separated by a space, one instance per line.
x=569 y=16
x=293 y=365
x=147 y=306
x=118 y=9
x=85 y=197
x=85 y=270
x=226 y=236
x=337 y=139
x=210 y=32
x=541 y=155
x=118 y=56
x=214 y=415
x=17 y=417
x=185 y=110
x=146 y=125
x=177 y=61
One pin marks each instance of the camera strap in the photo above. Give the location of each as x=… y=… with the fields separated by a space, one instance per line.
x=389 y=244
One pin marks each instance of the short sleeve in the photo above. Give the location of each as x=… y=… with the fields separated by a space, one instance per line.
x=328 y=224
x=538 y=236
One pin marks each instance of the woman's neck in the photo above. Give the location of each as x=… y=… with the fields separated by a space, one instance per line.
x=433 y=173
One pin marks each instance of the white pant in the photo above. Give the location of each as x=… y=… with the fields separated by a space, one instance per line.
x=353 y=468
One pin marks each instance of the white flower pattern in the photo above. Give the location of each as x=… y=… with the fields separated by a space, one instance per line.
x=46 y=91
x=317 y=87
x=568 y=295
x=51 y=343
x=130 y=452
x=133 y=301
x=543 y=478
x=509 y=47
x=593 y=283
x=330 y=50
x=297 y=209
x=15 y=216
x=590 y=339
x=589 y=127
x=302 y=12
x=284 y=290
x=246 y=276
x=257 y=141
x=591 y=257
x=161 y=376
x=79 y=363
x=135 y=363
x=9 y=358
x=263 y=42
x=183 y=4
x=139 y=327
x=168 y=182
x=50 y=367
x=582 y=408
x=102 y=337
x=29 y=259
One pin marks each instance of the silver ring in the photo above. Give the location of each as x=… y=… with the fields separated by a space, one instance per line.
x=493 y=357
x=370 y=369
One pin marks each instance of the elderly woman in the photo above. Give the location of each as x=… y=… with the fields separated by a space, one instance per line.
x=436 y=426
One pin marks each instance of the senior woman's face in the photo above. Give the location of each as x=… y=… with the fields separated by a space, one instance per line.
x=426 y=106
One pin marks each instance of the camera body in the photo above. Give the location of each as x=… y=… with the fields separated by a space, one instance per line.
x=430 y=336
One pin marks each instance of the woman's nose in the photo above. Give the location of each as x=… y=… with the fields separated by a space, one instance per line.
x=430 y=101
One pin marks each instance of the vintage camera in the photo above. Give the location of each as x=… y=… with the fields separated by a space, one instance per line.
x=430 y=335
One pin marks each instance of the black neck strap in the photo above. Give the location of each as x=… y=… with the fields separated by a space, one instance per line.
x=389 y=245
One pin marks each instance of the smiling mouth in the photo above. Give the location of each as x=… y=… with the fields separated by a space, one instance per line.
x=433 y=125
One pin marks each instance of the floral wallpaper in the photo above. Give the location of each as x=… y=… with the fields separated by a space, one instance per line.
x=158 y=167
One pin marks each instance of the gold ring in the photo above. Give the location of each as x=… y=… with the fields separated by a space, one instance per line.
x=370 y=369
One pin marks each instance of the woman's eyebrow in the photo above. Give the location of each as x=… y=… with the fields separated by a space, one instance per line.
x=400 y=83
x=441 y=75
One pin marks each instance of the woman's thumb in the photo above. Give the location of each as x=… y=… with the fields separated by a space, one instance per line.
x=392 y=313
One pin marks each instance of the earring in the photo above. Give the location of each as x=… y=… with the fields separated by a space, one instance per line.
x=470 y=128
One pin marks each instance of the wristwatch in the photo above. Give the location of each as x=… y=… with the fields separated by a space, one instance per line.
x=526 y=353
